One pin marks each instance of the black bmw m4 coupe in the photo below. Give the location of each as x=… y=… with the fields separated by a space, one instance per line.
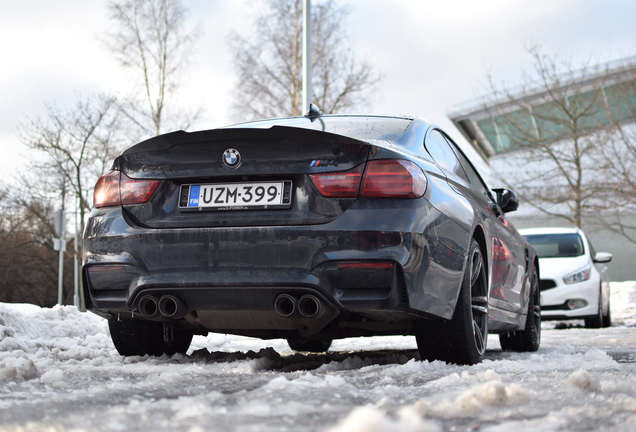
x=309 y=229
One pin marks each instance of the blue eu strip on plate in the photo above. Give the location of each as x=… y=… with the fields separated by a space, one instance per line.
x=195 y=193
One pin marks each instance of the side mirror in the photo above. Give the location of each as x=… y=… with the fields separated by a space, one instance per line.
x=603 y=257
x=507 y=200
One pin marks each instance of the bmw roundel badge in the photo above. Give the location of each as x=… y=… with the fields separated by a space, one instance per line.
x=231 y=158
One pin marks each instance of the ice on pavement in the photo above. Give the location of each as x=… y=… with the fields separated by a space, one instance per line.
x=59 y=371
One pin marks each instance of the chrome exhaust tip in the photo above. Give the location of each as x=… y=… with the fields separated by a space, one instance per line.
x=285 y=305
x=172 y=307
x=310 y=306
x=148 y=306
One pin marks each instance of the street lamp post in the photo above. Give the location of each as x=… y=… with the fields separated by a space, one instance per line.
x=59 y=244
x=76 y=298
x=307 y=91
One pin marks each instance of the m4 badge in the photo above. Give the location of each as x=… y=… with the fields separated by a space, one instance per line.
x=324 y=163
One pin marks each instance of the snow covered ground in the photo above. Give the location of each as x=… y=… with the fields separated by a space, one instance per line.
x=60 y=372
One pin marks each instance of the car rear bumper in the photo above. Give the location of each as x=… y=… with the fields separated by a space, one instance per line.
x=230 y=278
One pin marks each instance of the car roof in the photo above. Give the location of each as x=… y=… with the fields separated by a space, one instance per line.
x=550 y=230
x=357 y=126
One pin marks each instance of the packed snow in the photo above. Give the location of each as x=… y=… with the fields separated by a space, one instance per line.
x=59 y=371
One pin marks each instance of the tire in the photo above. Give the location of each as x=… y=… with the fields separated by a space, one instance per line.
x=133 y=337
x=528 y=339
x=597 y=321
x=607 y=319
x=462 y=340
x=309 y=345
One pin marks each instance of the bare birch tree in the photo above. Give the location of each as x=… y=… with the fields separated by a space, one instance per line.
x=560 y=129
x=269 y=63
x=151 y=41
x=73 y=148
x=619 y=156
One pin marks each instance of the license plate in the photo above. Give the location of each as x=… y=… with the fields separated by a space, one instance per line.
x=236 y=196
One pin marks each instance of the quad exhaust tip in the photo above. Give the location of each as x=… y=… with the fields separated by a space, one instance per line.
x=310 y=306
x=285 y=305
x=148 y=306
x=168 y=306
x=172 y=307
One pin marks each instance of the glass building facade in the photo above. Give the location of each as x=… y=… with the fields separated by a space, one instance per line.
x=499 y=128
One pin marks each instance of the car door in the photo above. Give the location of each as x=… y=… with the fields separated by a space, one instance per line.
x=512 y=265
x=472 y=202
x=507 y=247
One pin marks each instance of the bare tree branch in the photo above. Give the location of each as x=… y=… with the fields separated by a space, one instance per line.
x=269 y=65
x=569 y=156
x=28 y=264
x=73 y=148
x=150 y=40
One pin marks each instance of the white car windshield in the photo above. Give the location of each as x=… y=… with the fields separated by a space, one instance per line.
x=556 y=245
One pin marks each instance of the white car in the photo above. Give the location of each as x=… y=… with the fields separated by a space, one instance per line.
x=573 y=277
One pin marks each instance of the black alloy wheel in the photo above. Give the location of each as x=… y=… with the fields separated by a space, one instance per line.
x=479 y=301
x=463 y=339
x=528 y=339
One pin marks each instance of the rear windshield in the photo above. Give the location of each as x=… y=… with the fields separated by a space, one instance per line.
x=352 y=126
x=556 y=245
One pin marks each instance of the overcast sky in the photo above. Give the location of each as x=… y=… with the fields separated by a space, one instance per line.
x=433 y=54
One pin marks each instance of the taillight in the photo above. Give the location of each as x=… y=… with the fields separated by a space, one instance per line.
x=389 y=178
x=136 y=191
x=393 y=179
x=342 y=184
x=116 y=188
x=107 y=190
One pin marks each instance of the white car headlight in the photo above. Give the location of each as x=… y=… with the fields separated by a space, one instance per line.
x=578 y=276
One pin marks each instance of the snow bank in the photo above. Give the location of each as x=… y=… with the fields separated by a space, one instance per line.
x=30 y=328
x=71 y=334
x=32 y=338
x=64 y=357
x=623 y=303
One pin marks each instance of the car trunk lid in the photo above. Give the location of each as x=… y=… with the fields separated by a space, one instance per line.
x=279 y=157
